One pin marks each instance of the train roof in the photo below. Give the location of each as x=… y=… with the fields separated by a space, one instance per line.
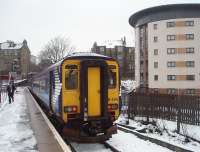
x=77 y=55
x=86 y=54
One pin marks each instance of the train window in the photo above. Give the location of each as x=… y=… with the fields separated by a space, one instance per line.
x=71 y=79
x=112 y=79
x=112 y=67
x=71 y=67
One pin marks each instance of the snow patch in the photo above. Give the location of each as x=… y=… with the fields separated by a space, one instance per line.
x=16 y=134
x=128 y=85
x=165 y=131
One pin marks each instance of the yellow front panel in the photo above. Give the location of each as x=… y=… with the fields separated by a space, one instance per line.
x=70 y=97
x=94 y=105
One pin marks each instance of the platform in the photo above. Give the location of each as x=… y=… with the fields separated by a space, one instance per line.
x=46 y=141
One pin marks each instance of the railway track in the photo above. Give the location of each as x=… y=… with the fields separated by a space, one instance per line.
x=129 y=129
x=91 y=147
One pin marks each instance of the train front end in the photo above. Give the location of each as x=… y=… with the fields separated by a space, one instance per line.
x=90 y=98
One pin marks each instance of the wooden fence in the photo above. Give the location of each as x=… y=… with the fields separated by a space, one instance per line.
x=185 y=109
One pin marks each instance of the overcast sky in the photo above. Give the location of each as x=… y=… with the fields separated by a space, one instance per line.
x=83 y=21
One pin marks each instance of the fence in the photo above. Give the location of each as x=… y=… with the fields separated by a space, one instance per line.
x=3 y=94
x=184 y=109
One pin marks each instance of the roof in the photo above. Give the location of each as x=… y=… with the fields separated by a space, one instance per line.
x=76 y=55
x=85 y=54
x=111 y=44
x=10 y=45
x=165 y=12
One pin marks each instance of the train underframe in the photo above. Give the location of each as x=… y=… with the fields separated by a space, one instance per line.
x=89 y=131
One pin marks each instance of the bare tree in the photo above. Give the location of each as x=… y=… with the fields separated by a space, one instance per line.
x=56 y=49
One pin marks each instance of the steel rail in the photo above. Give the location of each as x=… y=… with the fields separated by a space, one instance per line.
x=153 y=140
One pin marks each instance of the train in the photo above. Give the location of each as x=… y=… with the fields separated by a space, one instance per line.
x=81 y=94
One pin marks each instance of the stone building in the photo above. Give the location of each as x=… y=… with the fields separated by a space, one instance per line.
x=167 y=48
x=123 y=54
x=15 y=58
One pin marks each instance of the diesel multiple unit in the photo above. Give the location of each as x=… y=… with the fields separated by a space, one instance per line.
x=81 y=93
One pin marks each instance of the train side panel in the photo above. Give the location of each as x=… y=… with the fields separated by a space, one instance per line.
x=55 y=90
x=47 y=87
x=41 y=87
x=113 y=89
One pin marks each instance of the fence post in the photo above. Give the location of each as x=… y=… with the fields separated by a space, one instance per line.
x=179 y=113
x=0 y=93
x=147 y=105
x=128 y=109
x=0 y=86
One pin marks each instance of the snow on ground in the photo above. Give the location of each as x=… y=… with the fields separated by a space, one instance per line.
x=93 y=147
x=127 y=142
x=15 y=131
x=167 y=133
x=190 y=130
x=128 y=85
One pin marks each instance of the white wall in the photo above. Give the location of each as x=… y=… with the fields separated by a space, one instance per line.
x=137 y=57
x=162 y=71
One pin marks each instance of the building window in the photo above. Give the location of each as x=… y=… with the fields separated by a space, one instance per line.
x=141 y=76
x=102 y=50
x=171 y=77
x=119 y=57
x=190 y=91
x=171 y=37
x=141 y=62
x=155 y=90
x=171 y=50
x=190 y=77
x=171 y=24
x=131 y=67
x=155 y=51
x=171 y=91
x=155 y=26
x=155 y=64
x=189 y=23
x=15 y=52
x=189 y=50
x=5 y=52
x=155 y=77
x=155 y=39
x=189 y=63
x=171 y=64
x=147 y=62
x=189 y=36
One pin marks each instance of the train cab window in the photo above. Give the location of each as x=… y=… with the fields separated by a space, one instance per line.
x=112 y=77
x=71 y=77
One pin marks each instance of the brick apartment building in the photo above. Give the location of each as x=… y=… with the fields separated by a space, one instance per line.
x=123 y=54
x=167 y=48
x=14 y=57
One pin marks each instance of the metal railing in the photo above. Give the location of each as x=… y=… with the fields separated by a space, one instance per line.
x=3 y=94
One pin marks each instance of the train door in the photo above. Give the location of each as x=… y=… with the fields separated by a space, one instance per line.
x=94 y=101
x=93 y=89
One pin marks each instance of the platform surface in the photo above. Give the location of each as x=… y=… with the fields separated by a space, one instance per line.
x=46 y=141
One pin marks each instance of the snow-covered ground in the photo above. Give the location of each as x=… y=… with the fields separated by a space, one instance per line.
x=124 y=142
x=16 y=134
x=165 y=131
x=127 y=142
x=128 y=85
